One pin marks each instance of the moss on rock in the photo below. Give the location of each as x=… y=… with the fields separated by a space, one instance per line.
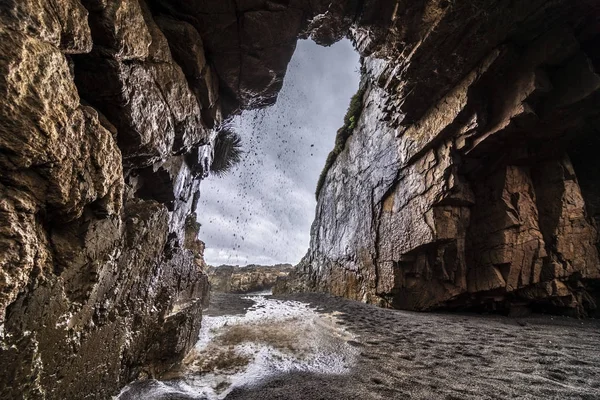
x=343 y=134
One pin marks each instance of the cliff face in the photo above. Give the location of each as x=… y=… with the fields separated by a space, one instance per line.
x=469 y=177
x=252 y=278
x=95 y=191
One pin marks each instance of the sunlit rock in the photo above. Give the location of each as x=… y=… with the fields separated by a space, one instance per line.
x=251 y=278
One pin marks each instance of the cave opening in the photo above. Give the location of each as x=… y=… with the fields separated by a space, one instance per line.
x=261 y=211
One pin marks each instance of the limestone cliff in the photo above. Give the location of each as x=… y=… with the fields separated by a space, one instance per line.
x=251 y=278
x=470 y=177
x=95 y=122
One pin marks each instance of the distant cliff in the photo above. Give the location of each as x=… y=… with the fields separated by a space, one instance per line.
x=252 y=278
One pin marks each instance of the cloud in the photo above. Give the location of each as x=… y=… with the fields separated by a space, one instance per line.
x=262 y=211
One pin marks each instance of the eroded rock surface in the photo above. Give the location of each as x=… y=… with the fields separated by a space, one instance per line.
x=470 y=178
x=459 y=186
x=251 y=278
x=100 y=276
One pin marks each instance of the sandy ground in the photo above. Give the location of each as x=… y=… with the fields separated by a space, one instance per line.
x=406 y=355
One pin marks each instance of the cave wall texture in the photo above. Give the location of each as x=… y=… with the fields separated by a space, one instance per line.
x=470 y=177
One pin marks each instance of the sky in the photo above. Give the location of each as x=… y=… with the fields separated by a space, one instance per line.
x=261 y=212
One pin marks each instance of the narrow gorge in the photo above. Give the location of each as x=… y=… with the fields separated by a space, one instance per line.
x=464 y=176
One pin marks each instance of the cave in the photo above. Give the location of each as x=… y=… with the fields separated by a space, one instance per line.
x=464 y=176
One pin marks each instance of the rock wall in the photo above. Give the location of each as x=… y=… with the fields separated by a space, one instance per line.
x=251 y=278
x=459 y=186
x=99 y=277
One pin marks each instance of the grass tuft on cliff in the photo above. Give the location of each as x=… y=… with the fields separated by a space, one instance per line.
x=343 y=134
x=192 y=224
x=228 y=152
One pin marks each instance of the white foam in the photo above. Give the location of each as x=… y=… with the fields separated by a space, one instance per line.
x=319 y=346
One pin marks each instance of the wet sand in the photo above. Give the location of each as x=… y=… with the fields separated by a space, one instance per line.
x=407 y=355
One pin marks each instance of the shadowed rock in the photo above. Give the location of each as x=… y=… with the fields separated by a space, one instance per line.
x=457 y=188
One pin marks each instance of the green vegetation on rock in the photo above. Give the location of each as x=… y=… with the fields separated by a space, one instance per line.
x=343 y=134
x=192 y=224
x=228 y=152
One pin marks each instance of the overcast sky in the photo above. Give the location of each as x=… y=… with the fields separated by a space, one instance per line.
x=261 y=212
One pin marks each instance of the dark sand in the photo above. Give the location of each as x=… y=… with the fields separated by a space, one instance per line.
x=407 y=355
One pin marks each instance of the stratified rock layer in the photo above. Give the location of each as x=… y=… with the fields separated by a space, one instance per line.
x=459 y=186
x=251 y=278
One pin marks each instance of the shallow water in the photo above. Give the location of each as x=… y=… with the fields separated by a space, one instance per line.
x=242 y=349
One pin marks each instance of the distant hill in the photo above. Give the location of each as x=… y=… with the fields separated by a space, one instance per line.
x=251 y=278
